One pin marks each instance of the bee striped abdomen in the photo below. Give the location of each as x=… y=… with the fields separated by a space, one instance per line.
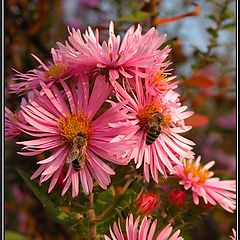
x=76 y=165
x=152 y=134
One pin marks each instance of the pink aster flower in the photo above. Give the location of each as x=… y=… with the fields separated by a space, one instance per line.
x=134 y=53
x=160 y=80
x=145 y=231
x=234 y=237
x=46 y=73
x=11 y=119
x=65 y=123
x=199 y=179
x=159 y=146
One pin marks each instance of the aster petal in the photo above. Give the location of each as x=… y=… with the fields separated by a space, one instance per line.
x=86 y=180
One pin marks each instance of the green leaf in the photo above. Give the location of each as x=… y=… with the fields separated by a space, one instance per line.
x=55 y=212
x=12 y=235
x=212 y=31
x=118 y=204
x=103 y=199
x=227 y=14
x=138 y=16
x=213 y=18
x=231 y=27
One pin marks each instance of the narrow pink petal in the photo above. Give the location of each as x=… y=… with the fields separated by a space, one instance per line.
x=69 y=96
x=152 y=230
x=86 y=180
x=165 y=233
x=75 y=184
x=54 y=179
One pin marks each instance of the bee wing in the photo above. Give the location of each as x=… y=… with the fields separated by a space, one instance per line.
x=72 y=155
x=82 y=156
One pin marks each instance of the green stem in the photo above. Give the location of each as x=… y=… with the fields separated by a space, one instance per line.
x=111 y=205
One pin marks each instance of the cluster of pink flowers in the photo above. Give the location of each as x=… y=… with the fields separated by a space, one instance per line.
x=145 y=231
x=98 y=105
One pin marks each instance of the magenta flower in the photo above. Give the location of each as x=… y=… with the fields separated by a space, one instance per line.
x=199 y=179
x=146 y=230
x=47 y=74
x=158 y=148
x=133 y=55
x=65 y=123
x=11 y=119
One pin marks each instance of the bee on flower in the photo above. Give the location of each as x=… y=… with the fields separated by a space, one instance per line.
x=161 y=120
x=64 y=122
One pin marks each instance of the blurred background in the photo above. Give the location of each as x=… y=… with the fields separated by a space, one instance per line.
x=203 y=40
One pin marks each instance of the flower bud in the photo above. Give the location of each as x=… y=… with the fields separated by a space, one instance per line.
x=176 y=198
x=146 y=203
x=205 y=206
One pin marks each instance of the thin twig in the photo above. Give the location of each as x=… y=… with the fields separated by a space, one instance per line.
x=108 y=209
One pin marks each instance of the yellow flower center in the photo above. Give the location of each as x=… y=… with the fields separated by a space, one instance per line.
x=197 y=171
x=158 y=81
x=146 y=113
x=72 y=125
x=55 y=71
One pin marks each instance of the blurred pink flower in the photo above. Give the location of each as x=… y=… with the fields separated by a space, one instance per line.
x=228 y=121
x=11 y=119
x=145 y=231
x=225 y=160
x=57 y=118
x=213 y=190
x=133 y=55
x=168 y=145
x=209 y=71
x=209 y=151
x=234 y=237
x=88 y=3
x=47 y=74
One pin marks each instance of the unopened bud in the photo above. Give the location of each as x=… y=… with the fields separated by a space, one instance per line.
x=147 y=203
x=176 y=198
x=205 y=206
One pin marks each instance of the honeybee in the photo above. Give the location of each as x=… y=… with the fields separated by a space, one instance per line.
x=154 y=128
x=77 y=154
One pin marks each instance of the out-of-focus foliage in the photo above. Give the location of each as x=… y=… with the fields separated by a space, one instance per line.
x=203 y=56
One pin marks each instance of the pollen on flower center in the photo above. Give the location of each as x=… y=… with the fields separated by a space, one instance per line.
x=158 y=79
x=197 y=171
x=146 y=113
x=72 y=125
x=55 y=70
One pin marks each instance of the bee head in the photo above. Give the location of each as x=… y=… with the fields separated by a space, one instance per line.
x=80 y=139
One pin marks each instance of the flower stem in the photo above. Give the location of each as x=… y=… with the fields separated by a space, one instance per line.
x=111 y=205
x=92 y=217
